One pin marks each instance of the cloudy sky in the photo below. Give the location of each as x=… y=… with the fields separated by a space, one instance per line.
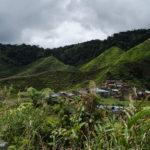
x=54 y=23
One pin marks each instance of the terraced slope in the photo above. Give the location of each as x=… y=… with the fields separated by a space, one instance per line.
x=57 y=80
x=106 y=59
x=45 y=64
x=134 y=65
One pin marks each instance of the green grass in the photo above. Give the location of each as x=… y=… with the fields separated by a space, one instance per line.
x=45 y=64
x=45 y=72
x=58 y=80
x=134 y=65
x=125 y=103
x=131 y=66
x=107 y=58
x=113 y=101
x=141 y=51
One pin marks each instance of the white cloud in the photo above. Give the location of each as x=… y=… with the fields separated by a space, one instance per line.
x=67 y=33
x=53 y=23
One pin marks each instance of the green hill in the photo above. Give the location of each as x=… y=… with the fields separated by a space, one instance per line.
x=82 y=53
x=133 y=65
x=106 y=59
x=40 y=69
x=8 y=69
x=77 y=54
x=45 y=64
x=57 y=80
x=141 y=51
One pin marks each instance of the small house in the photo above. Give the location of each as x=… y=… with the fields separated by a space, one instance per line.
x=105 y=87
x=113 y=85
x=114 y=92
x=54 y=95
x=141 y=95
x=84 y=92
x=70 y=94
x=63 y=94
x=103 y=93
x=76 y=93
x=147 y=92
x=126 y=86
x=109 y=82
x=119 y=86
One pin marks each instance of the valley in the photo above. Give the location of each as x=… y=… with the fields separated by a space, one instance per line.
x=92 y=95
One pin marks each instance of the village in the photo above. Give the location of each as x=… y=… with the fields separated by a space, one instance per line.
x=111 y=89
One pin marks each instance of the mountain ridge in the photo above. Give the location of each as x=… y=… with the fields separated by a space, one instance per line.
x=77 y=54
x=46 y=70
x=46 y=64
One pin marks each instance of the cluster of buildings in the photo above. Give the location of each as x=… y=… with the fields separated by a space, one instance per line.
x=69 y=94
x=114 y=89
x=120 y=90
x=111 y=89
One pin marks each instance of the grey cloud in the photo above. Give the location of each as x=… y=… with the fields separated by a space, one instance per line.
x=118 y=15
x=53 y=23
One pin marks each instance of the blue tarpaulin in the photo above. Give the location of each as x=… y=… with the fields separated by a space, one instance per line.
x=111 y=108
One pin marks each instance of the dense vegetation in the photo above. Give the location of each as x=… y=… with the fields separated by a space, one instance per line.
x=84 y=52
x=74 y=54
x=34 y=121
x=30 y=119
x=57 y=80
x=106 y=59
x=134 y=65
x=131 y=66
x=45 y=64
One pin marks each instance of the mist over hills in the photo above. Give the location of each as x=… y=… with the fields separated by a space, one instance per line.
x=125 y=56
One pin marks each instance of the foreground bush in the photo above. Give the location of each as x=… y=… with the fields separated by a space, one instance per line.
x=73 y=123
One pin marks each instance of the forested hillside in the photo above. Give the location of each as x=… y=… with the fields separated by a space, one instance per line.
x=124 y=56
x=74 y=54
x=134 y=65
x=131 y=66
x=84 y=52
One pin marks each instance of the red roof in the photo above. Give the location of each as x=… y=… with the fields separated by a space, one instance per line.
x=125 y=85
